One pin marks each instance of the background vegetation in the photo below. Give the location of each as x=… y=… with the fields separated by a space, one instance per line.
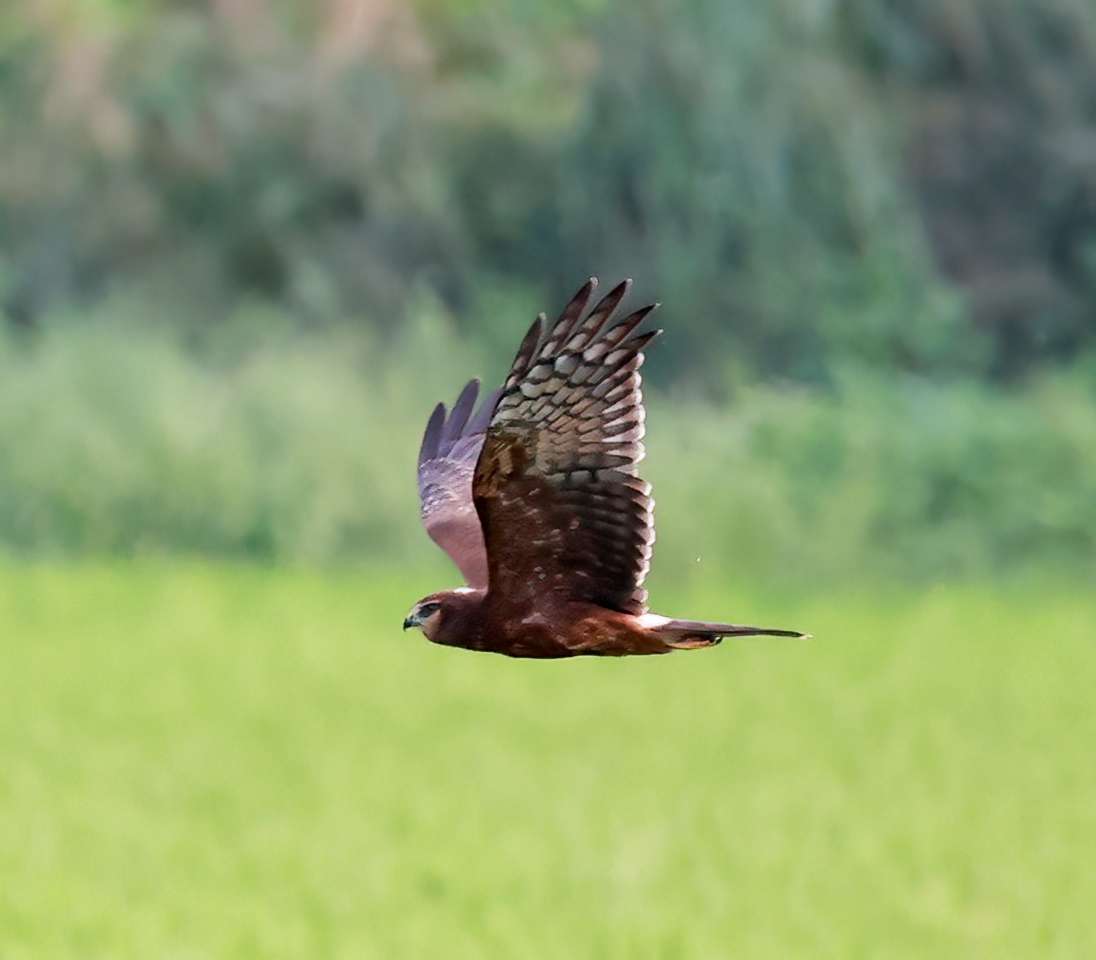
x=246 y=244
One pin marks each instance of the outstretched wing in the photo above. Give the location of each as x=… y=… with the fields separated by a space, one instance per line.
x=450 y=447
x=556 y=486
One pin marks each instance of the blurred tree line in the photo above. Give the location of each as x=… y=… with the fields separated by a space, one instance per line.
x=808 y=185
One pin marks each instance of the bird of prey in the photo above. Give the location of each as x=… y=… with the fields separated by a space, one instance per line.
x=537 y=499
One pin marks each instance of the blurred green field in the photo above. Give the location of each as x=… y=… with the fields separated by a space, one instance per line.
x=240 y=762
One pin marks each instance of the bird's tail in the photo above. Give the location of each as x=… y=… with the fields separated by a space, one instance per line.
x=693 y=634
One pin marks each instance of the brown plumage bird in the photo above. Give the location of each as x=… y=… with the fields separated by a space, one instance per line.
x=537 y=499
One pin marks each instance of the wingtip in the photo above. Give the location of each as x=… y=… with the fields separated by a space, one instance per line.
x=459 y=414
x=431 y=436
x=641 y=341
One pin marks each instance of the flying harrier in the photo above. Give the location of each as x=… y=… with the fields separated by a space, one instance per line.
x=536 y=497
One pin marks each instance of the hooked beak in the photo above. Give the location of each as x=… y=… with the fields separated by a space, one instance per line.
x=410 y=621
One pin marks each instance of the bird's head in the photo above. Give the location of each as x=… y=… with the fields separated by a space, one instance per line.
x=436 y=610
x=426 y=614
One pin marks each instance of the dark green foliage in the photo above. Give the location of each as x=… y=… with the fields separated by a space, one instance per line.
x=999 y=115
x=906 y=186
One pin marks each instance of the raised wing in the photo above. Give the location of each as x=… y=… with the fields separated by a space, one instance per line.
x=556 y=486
x=450 y=447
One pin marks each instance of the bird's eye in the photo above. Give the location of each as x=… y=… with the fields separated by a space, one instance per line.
x=428 y=610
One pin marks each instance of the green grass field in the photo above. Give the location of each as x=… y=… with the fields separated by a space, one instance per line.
x=225 y=762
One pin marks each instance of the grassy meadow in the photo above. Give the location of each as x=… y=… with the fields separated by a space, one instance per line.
x=239 y=761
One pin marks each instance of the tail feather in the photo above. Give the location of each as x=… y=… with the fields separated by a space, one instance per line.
x=691 y=634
